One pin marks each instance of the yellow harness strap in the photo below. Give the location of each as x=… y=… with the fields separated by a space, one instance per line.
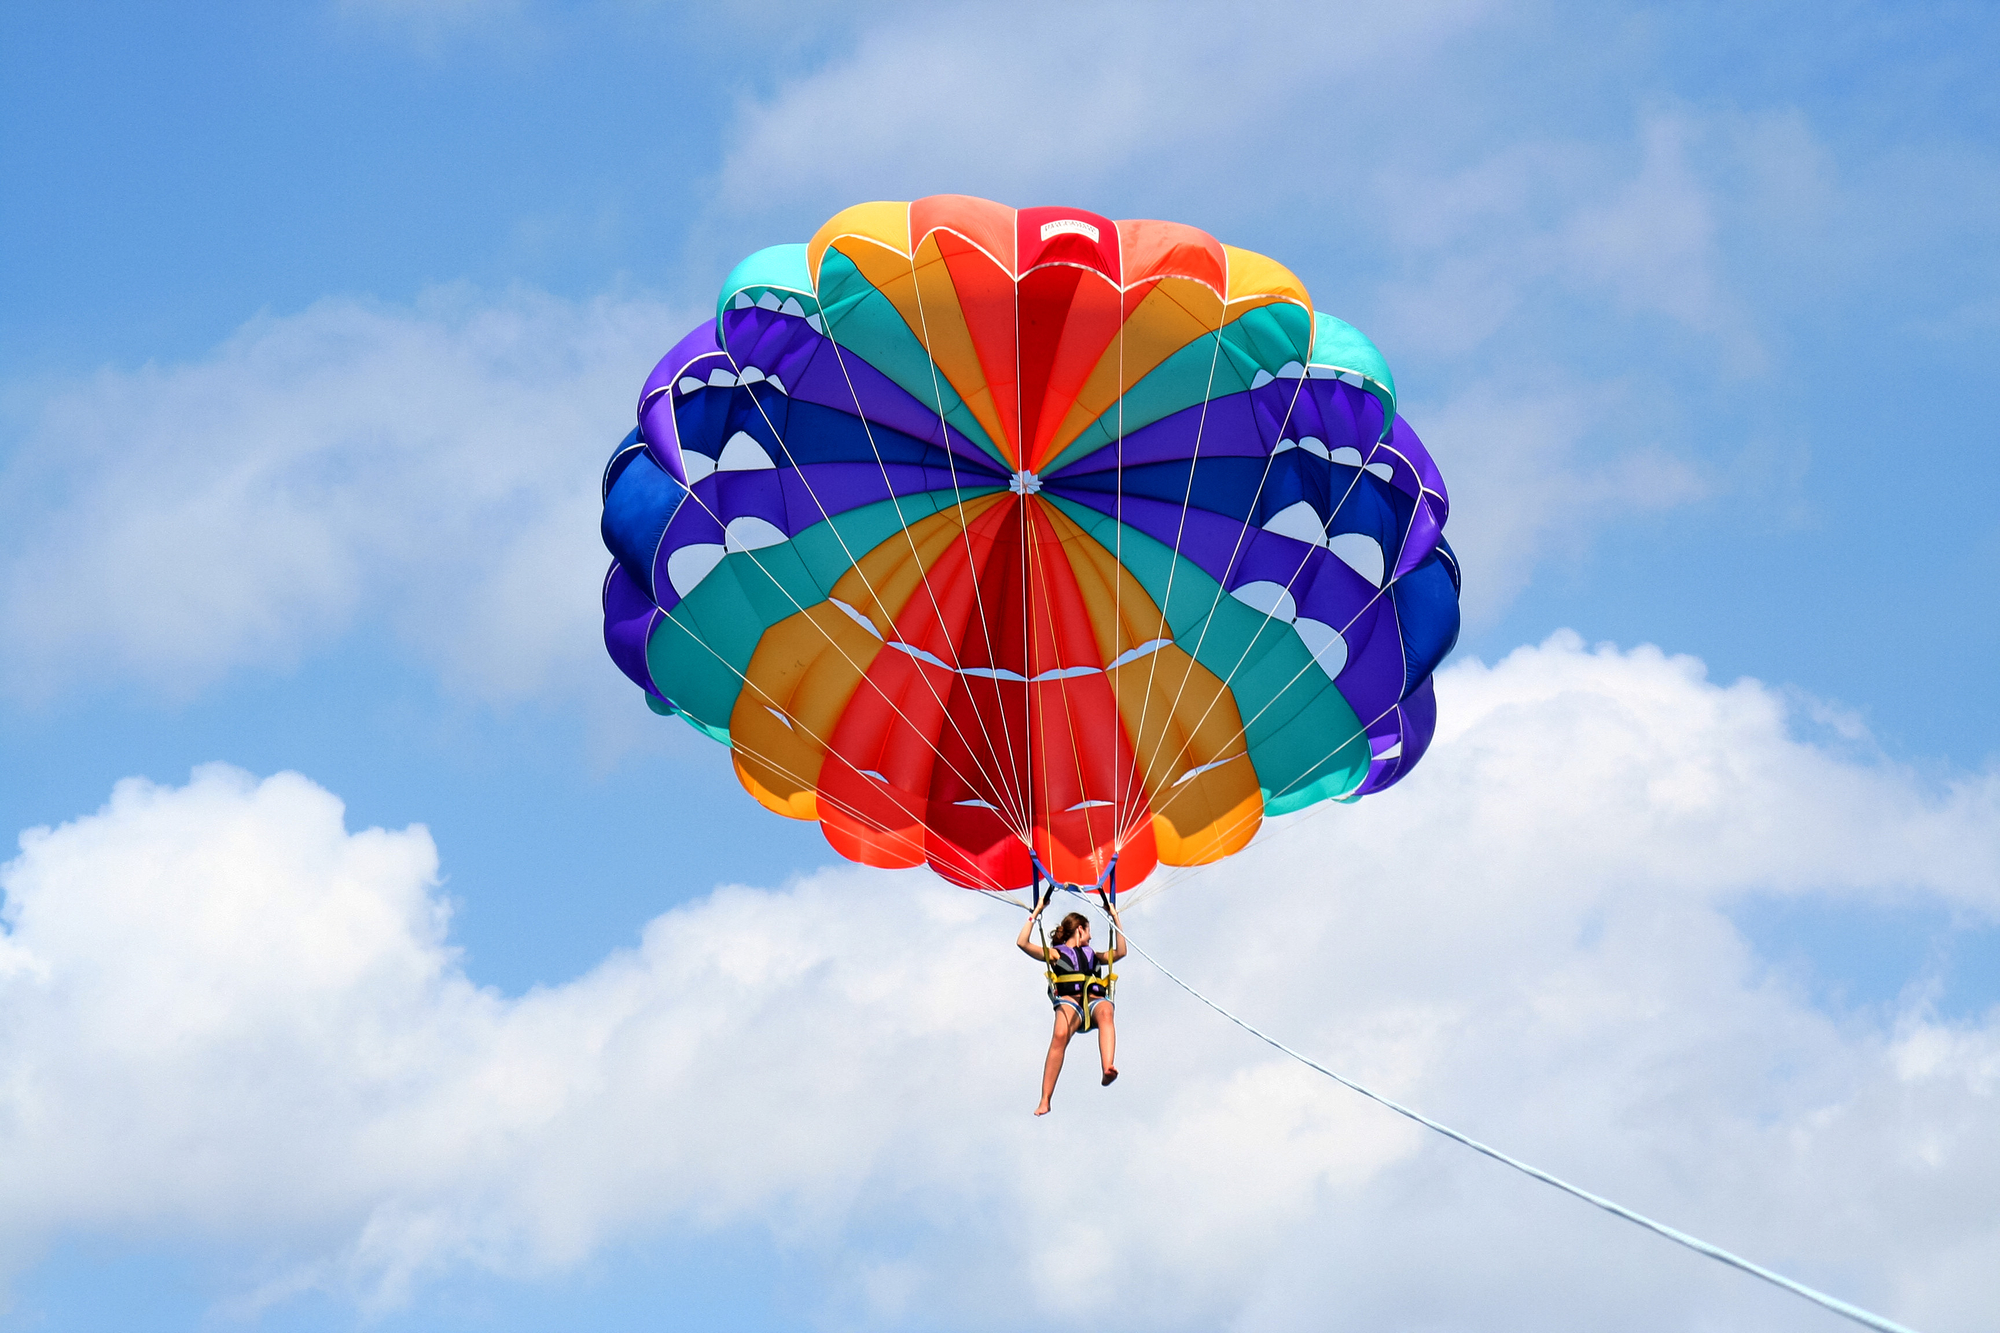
x=1083 y=1001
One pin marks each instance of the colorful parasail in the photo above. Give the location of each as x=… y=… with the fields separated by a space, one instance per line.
x=977 y=531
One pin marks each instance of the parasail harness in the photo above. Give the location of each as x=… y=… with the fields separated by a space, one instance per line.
x=1106 y=889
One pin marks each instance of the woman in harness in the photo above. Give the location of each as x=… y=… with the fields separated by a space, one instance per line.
x=1078 y=990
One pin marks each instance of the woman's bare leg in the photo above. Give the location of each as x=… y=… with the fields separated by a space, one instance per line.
x=1065 y=1029
x=1107 y=1039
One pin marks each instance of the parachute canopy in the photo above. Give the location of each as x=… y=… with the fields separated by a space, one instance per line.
x=974 y=530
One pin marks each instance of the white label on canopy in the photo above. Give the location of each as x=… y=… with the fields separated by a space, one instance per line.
x=1068 y=227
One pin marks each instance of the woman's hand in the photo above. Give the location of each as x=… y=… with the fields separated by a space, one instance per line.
x=1034 y=951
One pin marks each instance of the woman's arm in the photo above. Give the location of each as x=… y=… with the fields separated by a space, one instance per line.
x=1034 y=951
x=1118 y=951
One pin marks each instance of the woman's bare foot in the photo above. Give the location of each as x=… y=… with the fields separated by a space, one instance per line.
x=1109 y=1075
x=1043 y=1109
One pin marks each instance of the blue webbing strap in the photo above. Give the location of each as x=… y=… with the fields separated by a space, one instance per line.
x=1107 y=893
x=1110 y=877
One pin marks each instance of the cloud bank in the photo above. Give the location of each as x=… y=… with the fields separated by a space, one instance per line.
x=432 y=470
x=432 y=467
x=223 y=1013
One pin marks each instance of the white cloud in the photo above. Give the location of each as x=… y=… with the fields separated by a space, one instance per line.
x=1539 y=471
x=435 y=465
x=1654 y=246
x=1013 y=101
x=1494 y=243
x=1494 y=252
x=434 y=468
x=226 y=1016
x=1337 y=127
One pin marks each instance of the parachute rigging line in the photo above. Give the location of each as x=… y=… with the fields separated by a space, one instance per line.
x=1019 y=789
x=1699 y=1246
x=1180 y=533
x=833 y=643
x=924 y=571
x=1235 y=553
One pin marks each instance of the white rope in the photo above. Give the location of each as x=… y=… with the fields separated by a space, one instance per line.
x=1820 y=1298
x=924 y=572
x=1018 y=791
x=1221 y=587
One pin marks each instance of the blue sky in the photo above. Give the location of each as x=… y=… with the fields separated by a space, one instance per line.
x=317 y=321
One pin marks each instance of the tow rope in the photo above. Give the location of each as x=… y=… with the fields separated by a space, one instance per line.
x=1699 y=1246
